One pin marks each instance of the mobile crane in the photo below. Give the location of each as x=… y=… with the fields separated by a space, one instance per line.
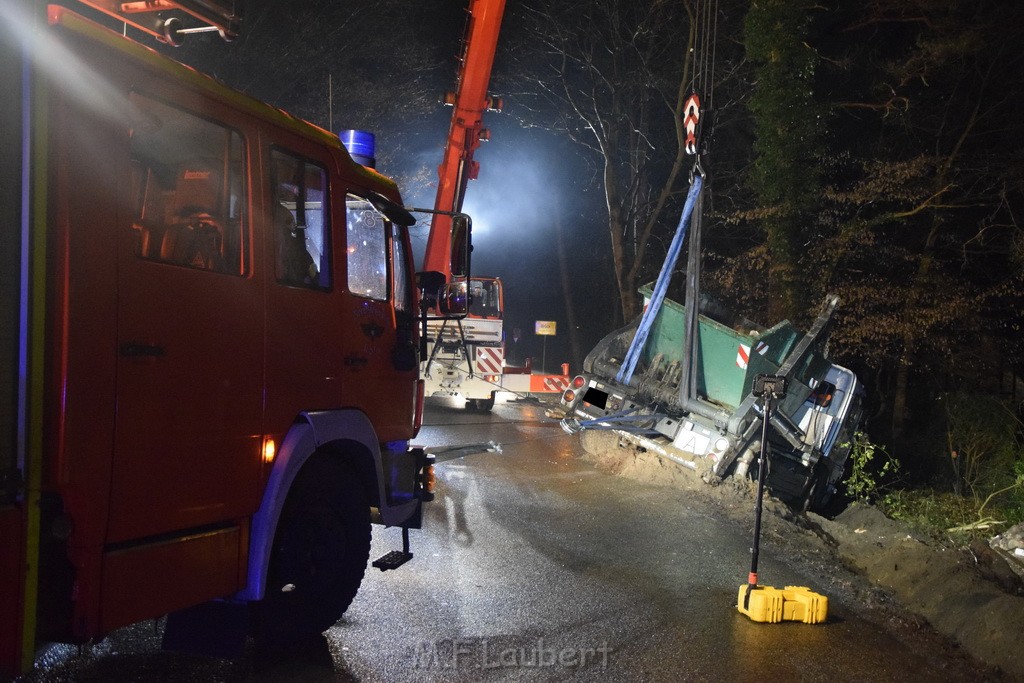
x=466 y=357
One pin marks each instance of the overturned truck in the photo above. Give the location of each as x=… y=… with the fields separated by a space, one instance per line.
x=712 y=423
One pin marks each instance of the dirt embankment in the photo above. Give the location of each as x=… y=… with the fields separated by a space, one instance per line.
x=963 y=593
x=969 y=595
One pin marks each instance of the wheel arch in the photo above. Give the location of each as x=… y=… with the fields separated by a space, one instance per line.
x=345 y=435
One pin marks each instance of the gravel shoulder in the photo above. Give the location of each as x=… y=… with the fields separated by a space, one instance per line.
x=948 y=599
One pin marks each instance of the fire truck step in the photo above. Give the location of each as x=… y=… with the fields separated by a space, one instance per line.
x=392 y=560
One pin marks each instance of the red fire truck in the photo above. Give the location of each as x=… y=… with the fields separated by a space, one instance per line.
x=209 y=349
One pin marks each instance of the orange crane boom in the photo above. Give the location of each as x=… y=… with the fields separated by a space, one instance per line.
x=466 y=131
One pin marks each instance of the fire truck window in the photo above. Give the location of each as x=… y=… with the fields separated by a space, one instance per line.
x=367 y=249
x=403 y=296
x=300 y=220
x=188 y=189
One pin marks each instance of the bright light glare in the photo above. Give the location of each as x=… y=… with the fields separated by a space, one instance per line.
x=61 y=65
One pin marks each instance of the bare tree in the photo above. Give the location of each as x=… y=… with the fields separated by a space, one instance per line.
x=614 y=75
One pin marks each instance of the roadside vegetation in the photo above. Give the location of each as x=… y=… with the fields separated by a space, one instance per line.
x=977 y=489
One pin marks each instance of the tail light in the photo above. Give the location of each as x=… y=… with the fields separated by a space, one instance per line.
x=427 y=479
x=577 y=383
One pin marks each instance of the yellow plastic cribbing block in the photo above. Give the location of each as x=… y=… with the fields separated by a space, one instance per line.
x=792 y=603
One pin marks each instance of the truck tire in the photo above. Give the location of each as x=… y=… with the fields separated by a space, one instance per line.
x=830 y=501
x=818 y=495
x=319 y=555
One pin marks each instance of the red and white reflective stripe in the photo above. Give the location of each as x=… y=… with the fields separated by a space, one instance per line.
x=743 y=353
x=548 y=383
x=555 y=383
x=488 y=360
x=691 y=116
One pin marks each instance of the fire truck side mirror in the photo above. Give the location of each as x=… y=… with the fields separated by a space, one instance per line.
x=462 y=245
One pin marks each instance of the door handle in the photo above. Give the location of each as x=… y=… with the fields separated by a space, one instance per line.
x=137 y=350
x=372 y=330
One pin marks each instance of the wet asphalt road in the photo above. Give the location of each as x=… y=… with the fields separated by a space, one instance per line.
x=534 y=566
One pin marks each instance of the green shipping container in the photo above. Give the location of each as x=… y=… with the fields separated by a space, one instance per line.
x=728 y=360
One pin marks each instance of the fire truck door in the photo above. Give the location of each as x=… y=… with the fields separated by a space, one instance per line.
x=382 y=354
x=190 y=337
x=188 y=399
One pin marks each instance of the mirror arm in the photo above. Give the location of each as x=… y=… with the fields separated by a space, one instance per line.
x=395 y=213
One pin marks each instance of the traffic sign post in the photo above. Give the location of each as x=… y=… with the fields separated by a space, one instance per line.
x=545 y=328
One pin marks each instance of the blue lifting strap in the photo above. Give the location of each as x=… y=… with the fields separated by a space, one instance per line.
x=636 y=347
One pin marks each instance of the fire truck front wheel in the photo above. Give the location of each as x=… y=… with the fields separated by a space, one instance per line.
x=319 y=555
